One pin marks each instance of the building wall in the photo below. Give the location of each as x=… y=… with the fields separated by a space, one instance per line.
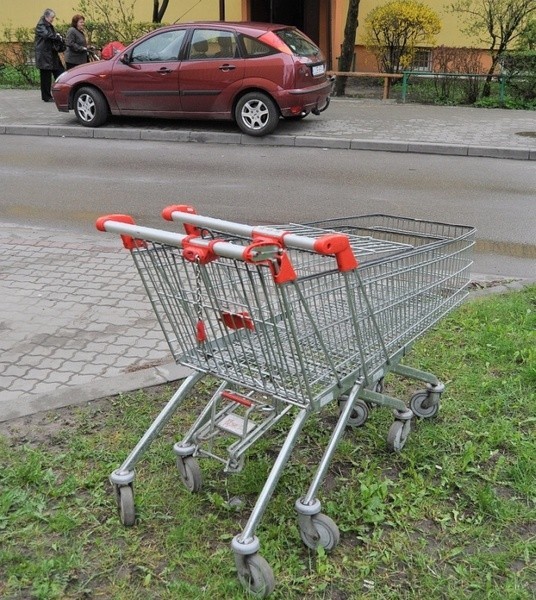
x=26 y=13
x=450 y=34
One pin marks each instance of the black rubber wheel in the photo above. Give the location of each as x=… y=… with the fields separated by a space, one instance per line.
x=359 y=414
x=397 y=435
x=256 y=114
x=90 y=107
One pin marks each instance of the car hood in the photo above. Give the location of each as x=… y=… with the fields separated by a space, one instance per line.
x=95 y=69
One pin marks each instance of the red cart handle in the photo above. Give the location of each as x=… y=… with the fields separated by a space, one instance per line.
x=330 y=244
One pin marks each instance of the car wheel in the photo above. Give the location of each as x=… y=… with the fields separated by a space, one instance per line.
x=256 y=114
x=90 y=107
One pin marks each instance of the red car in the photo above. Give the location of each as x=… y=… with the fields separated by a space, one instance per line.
x=252 y=73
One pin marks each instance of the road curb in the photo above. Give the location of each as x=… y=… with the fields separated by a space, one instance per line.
x=215 y=137
x=98 y=389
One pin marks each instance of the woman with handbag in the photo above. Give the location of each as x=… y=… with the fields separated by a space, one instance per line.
x=48 y=44
x=77 y=50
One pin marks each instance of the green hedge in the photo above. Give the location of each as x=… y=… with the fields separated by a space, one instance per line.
x=520 y=69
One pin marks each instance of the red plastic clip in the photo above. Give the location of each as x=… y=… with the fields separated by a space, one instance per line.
x=200 y=331
x=339 y=245
x=237 y=320
x=128 y=241
x=189 y=229
x=281 y=267
x=202 y=254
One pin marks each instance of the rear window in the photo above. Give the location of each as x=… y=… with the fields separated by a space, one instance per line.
x=254 y=47
x=297 y=42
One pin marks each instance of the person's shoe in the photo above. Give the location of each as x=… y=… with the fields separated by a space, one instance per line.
x=48 y=100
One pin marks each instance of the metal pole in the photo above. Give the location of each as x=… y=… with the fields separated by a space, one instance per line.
x=222 y=10
x=404 y=85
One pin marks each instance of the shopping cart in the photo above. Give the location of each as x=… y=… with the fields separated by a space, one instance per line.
x=288 y=323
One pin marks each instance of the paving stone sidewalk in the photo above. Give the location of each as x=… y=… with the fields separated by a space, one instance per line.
x=76 y=323
x=352 y=124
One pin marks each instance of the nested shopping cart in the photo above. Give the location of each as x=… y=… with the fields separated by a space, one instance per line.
x=289 y=320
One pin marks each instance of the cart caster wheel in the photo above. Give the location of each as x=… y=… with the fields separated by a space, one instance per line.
x=235 y=465
x=398 y=435
x=124 y=497
x=416 y=406
x=379 y=386
x=328 y=535
x=256 y=576
x=359 y=414
x=190 y=473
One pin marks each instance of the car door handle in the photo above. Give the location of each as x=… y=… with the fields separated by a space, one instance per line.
x=227 y=67
x=164 y=70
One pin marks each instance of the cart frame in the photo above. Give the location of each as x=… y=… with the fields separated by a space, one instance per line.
x=288 y=322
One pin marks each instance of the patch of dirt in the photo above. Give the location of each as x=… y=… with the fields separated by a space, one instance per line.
x=147 y=365
x=50 y=427
x=41 y=428
x=485 y=284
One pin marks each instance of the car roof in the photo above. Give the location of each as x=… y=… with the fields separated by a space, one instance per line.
x=254 y=28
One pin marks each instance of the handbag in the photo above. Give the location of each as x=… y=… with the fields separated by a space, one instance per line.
x=59 y=45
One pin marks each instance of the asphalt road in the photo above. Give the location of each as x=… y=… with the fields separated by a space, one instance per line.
x=68 y=183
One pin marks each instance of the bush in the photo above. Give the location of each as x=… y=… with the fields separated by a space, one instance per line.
x=12 y=78
x=520 y=70
x=17 y=56
x=99 y=33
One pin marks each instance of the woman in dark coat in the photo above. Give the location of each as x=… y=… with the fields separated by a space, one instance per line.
x=47 y=59
x=76 y=53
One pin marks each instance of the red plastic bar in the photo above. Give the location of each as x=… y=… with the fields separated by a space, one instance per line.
x=236 y=398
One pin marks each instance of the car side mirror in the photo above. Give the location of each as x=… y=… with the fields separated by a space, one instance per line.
x=125 y=59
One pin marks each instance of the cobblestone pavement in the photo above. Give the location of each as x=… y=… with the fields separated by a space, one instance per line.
x=74 y=315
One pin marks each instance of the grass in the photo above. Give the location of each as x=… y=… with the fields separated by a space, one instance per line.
x=26 y=77
x=452 y=516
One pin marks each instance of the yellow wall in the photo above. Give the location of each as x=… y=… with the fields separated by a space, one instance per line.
x=450 y=34
x=26 y=13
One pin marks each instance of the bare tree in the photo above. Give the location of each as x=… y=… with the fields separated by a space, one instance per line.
x=348 y=45
x=495 y=22
x=159 y=10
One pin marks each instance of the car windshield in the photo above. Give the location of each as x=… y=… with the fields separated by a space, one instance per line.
x=297 y=42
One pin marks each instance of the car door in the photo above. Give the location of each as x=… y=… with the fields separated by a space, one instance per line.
x=148 y=80
x=211 y=73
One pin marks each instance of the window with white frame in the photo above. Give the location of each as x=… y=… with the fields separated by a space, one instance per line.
x=422 y=61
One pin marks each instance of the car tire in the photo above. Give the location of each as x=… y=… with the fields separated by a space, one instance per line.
x=90 y=107
x=256 y=114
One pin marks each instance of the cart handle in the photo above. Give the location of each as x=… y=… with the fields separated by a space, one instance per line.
x=331 y=244
x=195 y=248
